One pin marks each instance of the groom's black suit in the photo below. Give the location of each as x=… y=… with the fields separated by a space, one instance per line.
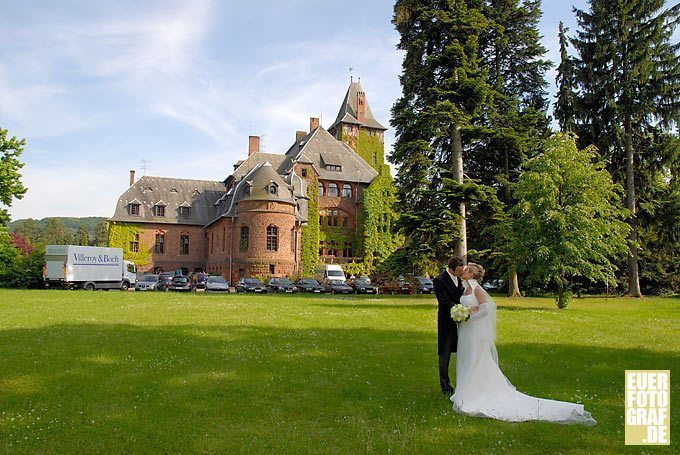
x=448 y=295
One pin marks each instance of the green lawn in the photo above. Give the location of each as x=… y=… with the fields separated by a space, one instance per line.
x=115 y=372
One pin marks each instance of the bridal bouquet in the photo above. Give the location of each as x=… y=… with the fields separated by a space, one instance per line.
x=460 y=313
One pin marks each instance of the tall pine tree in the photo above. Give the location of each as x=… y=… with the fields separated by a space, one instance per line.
x=514 y=121
x=628 y=76
x=564 y=105
x=443 y=89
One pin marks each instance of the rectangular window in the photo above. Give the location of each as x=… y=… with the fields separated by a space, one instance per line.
x=160 y=210
x=345 y=222
x=134 y=209
x=224 y=238
x=183 y=244
x=292 y=240
x=212 y=242
x=134 y=244
x=272 y=238
x=272 y=269
x=245 y=237
x=304 y=172
x=185 y=212
x=160 y=243
x=333 y=167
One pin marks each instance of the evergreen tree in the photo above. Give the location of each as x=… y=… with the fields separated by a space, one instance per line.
x=29 y=229
x=101 y=235
x=82 y=236
x=54 y=232
x=628 y=76
x=564 y=106
x=514 y=121
x=443 y=89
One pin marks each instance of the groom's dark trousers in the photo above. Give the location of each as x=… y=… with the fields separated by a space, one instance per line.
x=448 y=295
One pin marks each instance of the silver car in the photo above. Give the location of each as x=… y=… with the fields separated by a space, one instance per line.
x=147 y=283
x=216 y=284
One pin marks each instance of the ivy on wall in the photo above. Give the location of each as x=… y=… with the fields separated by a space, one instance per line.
x=309 y=243
x=369 y=146
x=120 y=236
x=378 y=215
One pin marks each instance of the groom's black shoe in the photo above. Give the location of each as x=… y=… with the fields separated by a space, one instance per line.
x=448 y=390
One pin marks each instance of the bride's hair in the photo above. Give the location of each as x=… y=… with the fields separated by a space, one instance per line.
x=476 y=270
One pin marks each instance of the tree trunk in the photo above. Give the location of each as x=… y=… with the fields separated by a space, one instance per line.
x=513 y=282
x=457 y=171
x=633 y=276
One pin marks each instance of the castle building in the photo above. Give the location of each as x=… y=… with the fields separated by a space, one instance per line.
x=276 y=214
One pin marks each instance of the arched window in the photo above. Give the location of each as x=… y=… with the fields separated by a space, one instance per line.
x=272 y=238
x=321 y=189
x=245 y=238
x=333 y=190
x=346 y=190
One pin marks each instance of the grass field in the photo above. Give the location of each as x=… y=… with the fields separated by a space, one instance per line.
x=115 y=372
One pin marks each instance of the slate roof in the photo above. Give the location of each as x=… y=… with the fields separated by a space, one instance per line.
x=320 y=148
x=348 y=110
x=173 y=193
x=256 y=159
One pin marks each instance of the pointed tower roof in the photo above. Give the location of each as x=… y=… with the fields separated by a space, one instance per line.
x=348 y=110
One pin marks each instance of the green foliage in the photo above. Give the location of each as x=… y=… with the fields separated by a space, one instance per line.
x=370 y=146
x=565 y=103
x=568 y=222
x=10 y=179
x=120 y=236
x=309 y=243
x=444 y=90
x=33 y=229
x=82 y=236
x=54 y=233
x=10 y=260
x=377 y=237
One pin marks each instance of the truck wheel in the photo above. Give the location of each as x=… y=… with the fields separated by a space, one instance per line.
x=125 y=286
x=89 y=287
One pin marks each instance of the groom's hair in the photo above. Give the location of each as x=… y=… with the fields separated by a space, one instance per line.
x=455 y=262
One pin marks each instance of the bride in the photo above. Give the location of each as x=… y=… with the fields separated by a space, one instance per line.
x=481 y=388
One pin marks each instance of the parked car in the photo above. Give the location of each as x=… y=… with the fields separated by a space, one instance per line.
x=199 y=279
x=181 y=284
x=493 y=285
x=147 y=283
x=398 y=286
x=363 y=285
x=338 y=287
x=250 y=285
x=164 y=281
x=423 y=285
x=281 y=285
x=310 y=285
x=216 y=284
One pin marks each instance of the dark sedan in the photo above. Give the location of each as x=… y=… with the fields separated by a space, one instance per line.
x=181 y=284
x=364 y=286
x=281 y=285
x=164 y=281
x=250 y=285
x=338 y=287
x=310 y=285
x=423 y=285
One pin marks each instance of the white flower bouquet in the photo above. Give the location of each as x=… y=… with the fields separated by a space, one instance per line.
x=460 y=313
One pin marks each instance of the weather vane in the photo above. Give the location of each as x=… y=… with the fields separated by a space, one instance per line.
x=351 y=78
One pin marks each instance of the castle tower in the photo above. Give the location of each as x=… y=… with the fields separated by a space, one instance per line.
x=356 y=126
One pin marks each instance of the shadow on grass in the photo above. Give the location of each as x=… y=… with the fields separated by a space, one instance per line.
x=123 y=388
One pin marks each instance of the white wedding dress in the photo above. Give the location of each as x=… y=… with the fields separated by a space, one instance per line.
x=481 y=388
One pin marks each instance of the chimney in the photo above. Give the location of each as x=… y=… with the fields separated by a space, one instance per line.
x=313 y=123
x=299 y=135
x=132 y=177
x=253 y=144
x=361 y=107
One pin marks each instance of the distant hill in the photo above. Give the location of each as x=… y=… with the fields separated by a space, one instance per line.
x=71 y=223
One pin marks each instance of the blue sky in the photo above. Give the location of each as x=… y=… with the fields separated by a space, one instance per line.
x=96 y=87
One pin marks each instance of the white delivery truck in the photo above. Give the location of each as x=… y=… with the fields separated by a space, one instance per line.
x=87 y=267
x=325 y=272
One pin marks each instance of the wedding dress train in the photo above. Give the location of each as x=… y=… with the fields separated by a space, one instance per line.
x=481 y=388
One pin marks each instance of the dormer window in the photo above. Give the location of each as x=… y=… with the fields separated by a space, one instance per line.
x=134 y=208
x=333 y=167
x=246 y=190
x=160 y=210
x=185 y=210
x=273 y=189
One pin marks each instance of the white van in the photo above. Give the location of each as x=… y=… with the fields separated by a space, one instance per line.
x=325 y=272
x=87 y=267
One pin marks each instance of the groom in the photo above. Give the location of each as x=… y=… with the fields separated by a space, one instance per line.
x=448 y=287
